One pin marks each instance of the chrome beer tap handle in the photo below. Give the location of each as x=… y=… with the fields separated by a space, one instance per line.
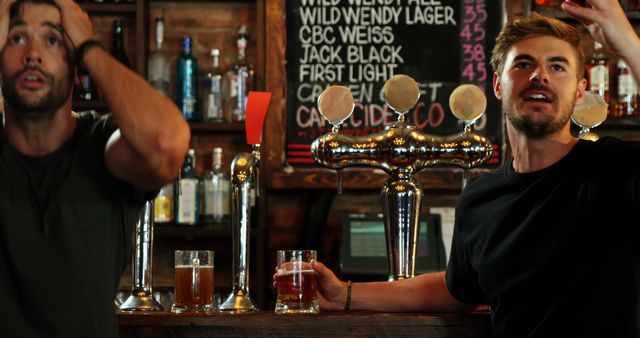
x=336 y=104
x=141 y=297
x=244 y=179
x=401 y=150
x=467 y=103
x=590 y=114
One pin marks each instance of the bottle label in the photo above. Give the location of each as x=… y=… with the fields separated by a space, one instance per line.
x=216 y=197
x=626 y=85
x=188 y=105
x=161 y=85
x=163 y=209
x=599 y=78
x=187 y=198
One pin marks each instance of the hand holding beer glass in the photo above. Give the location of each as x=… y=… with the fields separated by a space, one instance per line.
x=194 y=282
x=297 y=283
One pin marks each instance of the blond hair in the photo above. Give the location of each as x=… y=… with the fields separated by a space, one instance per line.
x=535 y=26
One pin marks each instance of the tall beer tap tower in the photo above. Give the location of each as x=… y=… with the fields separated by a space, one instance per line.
x=245 y=169
x=141 y=297
x=401 y=150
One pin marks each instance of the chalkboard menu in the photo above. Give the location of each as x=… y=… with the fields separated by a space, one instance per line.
x=362 y=43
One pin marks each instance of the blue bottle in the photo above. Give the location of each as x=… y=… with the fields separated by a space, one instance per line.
x=187 y=82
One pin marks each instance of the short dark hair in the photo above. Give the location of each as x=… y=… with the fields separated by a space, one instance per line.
x=535 y=26
x=16 y=7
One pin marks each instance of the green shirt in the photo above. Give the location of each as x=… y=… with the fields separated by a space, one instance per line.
x=65 y=237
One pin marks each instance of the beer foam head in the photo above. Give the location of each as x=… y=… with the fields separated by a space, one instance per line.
x=401 y=92
x=286 y=272
x=336 y=104
x=467 y=102
x=591 y=112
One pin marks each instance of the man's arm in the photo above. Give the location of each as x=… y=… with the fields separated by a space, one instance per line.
x=423 y=293
x=608 y=24
x=149 y=147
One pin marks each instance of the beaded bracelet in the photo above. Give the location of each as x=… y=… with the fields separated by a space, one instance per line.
x=79 y=53
x=347 y=305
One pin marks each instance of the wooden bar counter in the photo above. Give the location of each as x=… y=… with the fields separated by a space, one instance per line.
x=326 y=324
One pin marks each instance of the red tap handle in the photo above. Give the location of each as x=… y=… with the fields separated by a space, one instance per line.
x=257 y=105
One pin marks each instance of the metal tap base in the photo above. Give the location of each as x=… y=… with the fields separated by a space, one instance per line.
x=140 y=301
x=238 y=302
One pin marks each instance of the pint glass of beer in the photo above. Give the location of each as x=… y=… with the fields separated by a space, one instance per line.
x=297 y=282
x=194 y=282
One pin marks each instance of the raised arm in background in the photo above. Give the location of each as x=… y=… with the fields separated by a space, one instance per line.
x=608 y=24
x=148 y=149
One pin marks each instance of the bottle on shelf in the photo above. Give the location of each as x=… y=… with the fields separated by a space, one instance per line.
x=118 y=44
x=598 y=72
x=159 y=66
x=85 y=90
x=186 y=192
x=240 y=79
x=627 y=104
x=163 y=205
x=186 y=81
x=217 y=198
x=212 y=107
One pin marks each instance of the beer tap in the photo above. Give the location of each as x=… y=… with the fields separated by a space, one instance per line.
x=589 y=114
x=141 y=298
x=401 y=150
x=245 y=170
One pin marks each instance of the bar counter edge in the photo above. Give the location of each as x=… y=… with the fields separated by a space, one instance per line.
x=325 y=324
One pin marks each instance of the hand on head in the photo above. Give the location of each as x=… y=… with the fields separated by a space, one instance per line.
x=75 y=21
x=4 y=21
x=607 y=23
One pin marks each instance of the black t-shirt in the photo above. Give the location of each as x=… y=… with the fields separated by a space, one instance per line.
x=555 y=253
x=65 y=236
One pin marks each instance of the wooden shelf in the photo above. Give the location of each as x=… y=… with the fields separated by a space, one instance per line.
x=109 y=8
x=631 y=122
x=169 y=230
x=90 y=105
x=230 y=127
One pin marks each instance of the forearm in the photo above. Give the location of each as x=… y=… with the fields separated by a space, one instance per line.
x=631 y=55
x=423 y=293
x=150 y=124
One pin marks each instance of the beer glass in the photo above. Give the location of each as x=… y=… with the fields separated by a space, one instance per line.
x=193 y=282
x=297 y=282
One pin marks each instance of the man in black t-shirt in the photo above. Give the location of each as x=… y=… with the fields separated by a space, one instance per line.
x=72 y=184
x=550 y=240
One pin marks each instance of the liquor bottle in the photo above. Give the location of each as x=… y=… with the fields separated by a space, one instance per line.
x=158 y=65
x=598 y=71
x=240 y=79
x=216 y=192
x=186 y=192
x=86 y=90
x=163 y=204
x=212 y=108
x=118 y=43
x=627 y=92
x=186 y=83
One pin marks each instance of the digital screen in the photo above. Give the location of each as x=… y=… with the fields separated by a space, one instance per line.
x=368 y=239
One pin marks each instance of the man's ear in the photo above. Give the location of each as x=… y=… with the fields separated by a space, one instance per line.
x=580 y=91
x=497 y=86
